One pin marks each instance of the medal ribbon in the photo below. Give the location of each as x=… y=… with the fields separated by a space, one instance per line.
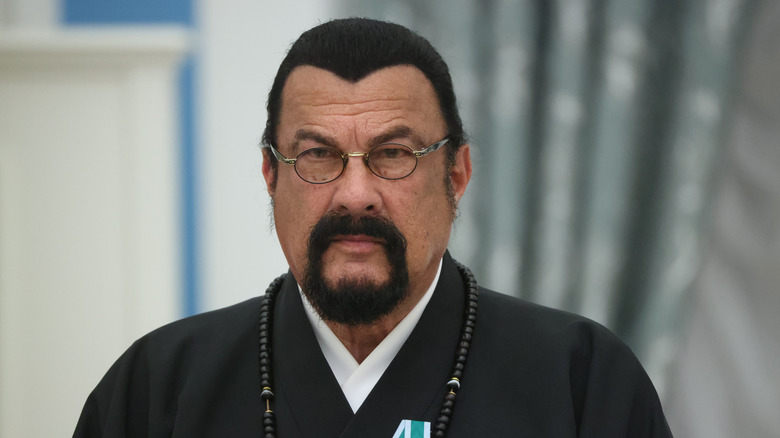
x=413 y=429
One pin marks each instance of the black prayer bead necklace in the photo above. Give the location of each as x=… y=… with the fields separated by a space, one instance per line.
x=461 y=352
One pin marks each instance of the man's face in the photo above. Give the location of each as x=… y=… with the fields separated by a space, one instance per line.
x=395 y=104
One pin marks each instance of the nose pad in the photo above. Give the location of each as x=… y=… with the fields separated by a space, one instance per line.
x=365 y=163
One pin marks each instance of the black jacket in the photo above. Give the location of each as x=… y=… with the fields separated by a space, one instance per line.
x=531 y=372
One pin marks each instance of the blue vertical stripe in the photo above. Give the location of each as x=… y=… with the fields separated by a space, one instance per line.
x=86 y=12
x=189 y=190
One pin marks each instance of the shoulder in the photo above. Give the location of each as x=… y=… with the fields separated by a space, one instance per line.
x=172 y=349
x=568 y=363
x=549 y=337
x=210 y=326
x=516 y=317
x=185 y=356
x=198 y=335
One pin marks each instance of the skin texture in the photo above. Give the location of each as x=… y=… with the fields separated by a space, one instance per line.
x=394 y=104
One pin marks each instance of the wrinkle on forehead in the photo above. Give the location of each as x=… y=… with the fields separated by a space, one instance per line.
x=339 y=106
x=397 y=133
x=333 y=101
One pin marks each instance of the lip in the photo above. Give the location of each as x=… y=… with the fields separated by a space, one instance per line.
x=356 y=238
x=356 y=243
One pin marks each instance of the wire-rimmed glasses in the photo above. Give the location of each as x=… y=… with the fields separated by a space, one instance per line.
x=322 y=165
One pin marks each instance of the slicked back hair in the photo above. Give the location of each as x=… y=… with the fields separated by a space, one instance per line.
x=353 y=48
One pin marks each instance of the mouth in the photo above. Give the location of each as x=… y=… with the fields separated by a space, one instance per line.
x=357 y=243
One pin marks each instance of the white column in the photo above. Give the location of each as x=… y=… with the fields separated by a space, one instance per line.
x=88 y=212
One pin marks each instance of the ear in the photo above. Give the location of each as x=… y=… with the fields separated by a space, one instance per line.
x=270 y=168
x=460 y=173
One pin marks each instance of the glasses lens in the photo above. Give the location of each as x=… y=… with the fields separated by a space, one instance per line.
x=319 y=165
x=392 y=161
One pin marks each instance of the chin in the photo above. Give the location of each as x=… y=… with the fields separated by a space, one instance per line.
x=356 y=299
x=368 y=276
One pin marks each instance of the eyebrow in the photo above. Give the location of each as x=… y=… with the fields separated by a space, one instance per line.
x=305 y=134
x=395 y=133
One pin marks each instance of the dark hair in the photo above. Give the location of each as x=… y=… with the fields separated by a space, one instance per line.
x=352 y=48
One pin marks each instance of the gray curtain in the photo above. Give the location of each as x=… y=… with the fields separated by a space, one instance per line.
x=596 y=129
x=725 y=382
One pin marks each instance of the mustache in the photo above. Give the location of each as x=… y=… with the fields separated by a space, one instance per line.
x=334 y=224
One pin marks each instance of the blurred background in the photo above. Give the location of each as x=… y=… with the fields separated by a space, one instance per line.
x=627 y=167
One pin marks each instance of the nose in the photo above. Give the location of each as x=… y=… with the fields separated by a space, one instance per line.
x=357 y=189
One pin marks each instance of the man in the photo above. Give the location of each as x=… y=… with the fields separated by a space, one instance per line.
x=375 y=331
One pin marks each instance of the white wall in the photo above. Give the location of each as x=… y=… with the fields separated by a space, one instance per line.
x=242 y=43
x=88 y=212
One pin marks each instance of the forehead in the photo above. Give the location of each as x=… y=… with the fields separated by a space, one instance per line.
x=317 y=100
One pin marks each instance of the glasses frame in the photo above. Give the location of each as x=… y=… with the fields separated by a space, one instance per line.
x=345 y=158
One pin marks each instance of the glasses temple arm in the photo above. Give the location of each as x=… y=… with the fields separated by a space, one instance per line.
x=432 y=148
x=278 y=155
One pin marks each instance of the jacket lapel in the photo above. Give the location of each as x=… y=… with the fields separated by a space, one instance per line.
x=309 y=401
x=414 y=384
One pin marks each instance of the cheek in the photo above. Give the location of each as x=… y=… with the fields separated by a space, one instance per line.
x=296 y=211
x=426 y=221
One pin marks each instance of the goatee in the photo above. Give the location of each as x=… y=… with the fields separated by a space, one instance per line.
x=356 y=301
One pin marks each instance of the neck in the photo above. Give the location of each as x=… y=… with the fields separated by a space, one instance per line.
x=361 y=340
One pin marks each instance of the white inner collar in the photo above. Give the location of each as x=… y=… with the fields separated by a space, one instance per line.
x=358 y=379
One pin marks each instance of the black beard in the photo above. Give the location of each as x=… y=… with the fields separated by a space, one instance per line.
x=358 y=301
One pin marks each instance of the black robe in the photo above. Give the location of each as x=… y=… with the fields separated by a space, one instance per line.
x=531 y=372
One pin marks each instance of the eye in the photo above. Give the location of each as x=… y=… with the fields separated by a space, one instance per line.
x=319 y=153
x=389 y=152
